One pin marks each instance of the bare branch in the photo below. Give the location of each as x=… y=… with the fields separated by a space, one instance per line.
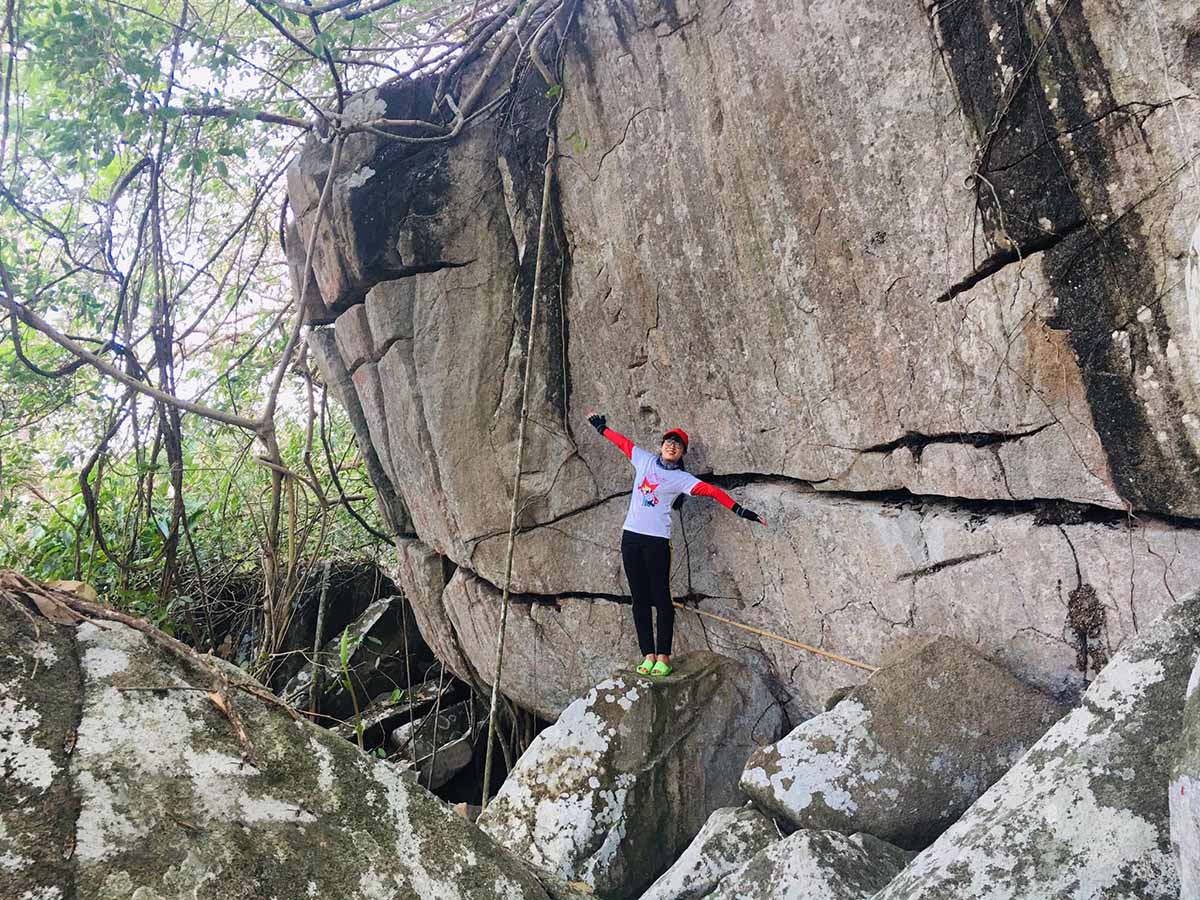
x=225 y=112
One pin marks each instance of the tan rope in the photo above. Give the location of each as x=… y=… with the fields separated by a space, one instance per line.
x=775 y=637
x=551 y=149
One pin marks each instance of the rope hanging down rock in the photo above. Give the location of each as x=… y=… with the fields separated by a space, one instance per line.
x=551 y=149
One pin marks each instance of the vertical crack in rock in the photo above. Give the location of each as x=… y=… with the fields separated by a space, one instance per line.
x=1030 y=79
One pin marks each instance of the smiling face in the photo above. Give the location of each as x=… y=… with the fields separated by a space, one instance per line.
x=672 y=451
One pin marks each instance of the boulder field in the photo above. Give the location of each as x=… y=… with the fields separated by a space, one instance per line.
x=124 y=776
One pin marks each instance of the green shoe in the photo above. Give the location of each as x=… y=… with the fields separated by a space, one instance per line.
x=646 y=667
x=661 y=669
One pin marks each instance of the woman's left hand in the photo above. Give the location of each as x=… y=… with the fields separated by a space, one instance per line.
x=750 y=514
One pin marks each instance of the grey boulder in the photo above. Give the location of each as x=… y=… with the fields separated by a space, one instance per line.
x=437 y=746
x=112 y=791
x=1084 y=813
x=376 y=643
x=615 y=790
x=903 y=755
x=728 y=840
x=815 y=865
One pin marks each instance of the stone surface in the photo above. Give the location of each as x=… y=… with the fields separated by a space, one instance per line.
x=728 y=840
x=385 y=714
x=1084 y=813
x=376 y=643
x=815 y=865
x=772 y=235
x=1184 y=793
x=167 y=808
x=436 y=747
x=354 y=339
x=903 y=756
x=39 y=715
x=621 y=783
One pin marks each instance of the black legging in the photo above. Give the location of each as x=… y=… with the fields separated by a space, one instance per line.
x=648 y=569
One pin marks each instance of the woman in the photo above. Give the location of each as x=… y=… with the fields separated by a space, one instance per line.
x=646 y=538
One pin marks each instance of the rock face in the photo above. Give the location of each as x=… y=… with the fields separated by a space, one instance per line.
x=618 y=787
x=1184 y=794
x=728 y=840
x=112 y=793
x=913 y=275
x=904 y=755
x=1084 y=813
x=815 y=865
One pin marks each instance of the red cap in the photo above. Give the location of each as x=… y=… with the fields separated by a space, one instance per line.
x=678 y=433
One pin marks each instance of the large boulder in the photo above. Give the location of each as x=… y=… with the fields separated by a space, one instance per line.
x=615 y=790
x=728 y=840
x=939 y=369
x=902 y=756
x=1184 y=793
x=815 y=865
x=124 y=779
x=1084 y=813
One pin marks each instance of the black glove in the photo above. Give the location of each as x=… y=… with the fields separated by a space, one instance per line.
x=750 y=514
x=598 y=422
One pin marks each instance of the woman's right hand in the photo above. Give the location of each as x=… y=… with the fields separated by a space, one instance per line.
x=598 y=422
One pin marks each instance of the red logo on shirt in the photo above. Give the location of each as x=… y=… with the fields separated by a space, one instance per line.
x=648 y=487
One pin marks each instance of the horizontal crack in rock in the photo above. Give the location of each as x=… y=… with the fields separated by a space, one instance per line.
x=917 y=442
x=1003 y=258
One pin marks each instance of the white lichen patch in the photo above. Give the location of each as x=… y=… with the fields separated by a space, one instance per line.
x=358 y=177
x=728 y=839
x=1124 y=684
x=21 y=759
x=44 y=653
x=326 y=778
x=48 y=892
x=364 y=107
x=103 y=828
x=13 y=862
x=802 y=773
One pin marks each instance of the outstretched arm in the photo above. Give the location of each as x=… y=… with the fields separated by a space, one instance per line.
x=702 y=489
x=600 y=424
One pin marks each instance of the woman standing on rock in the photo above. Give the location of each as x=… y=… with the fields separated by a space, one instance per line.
x=646 y=538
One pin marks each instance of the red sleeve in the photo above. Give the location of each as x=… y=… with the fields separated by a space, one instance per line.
x=621 y=441
x=701 y=489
